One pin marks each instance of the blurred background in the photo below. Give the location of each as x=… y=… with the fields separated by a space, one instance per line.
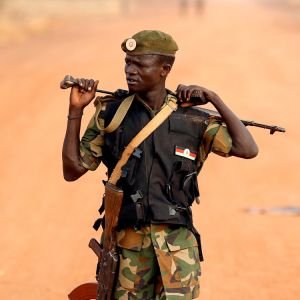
x=246 y=51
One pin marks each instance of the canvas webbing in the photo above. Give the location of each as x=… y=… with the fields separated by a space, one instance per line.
x=118 y=117
x=162 y=115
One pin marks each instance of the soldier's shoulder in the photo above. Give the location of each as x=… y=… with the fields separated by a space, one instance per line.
x=108 y=103
x=210 y=115
x=106 y=100
x=194 y=111
x=107 y=106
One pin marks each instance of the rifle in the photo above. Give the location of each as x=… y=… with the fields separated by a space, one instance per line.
x=69 y=81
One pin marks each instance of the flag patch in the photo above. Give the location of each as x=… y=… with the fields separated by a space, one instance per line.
x=185 y=152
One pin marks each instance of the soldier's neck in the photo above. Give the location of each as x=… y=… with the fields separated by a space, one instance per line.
x=154 y=99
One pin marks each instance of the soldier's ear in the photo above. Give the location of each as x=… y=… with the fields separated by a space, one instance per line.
x=166 y=68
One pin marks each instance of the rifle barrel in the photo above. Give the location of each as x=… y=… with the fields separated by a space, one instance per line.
x=105 y=92
x=272 y=128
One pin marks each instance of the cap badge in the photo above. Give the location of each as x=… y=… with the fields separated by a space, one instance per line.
x=130 y=44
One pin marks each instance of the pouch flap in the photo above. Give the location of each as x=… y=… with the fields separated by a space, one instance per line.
x=184 y=126
x=181 y=238
x=130 y=239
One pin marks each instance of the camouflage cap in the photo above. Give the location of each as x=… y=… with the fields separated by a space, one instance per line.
x=150 y=42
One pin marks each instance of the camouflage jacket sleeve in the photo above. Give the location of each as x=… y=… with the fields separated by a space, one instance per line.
x=91 y=143
x=215 y=139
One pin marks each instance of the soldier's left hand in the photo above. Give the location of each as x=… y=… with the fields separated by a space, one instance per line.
x=199 y=95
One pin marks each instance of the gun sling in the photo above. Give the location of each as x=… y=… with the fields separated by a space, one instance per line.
x=119 y=115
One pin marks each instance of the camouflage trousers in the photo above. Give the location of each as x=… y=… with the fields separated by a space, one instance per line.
x=158 y=262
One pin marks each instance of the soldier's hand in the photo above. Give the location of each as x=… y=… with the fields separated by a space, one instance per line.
x=190 y=95
x=83 y=93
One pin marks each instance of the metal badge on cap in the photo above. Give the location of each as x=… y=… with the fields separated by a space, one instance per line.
x=130 y=44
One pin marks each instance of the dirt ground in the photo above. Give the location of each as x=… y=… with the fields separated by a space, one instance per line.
x=247 y=52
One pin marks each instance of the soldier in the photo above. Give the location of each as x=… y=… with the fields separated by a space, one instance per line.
x=159 y=248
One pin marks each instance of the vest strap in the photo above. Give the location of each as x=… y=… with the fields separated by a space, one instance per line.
x=118 y=117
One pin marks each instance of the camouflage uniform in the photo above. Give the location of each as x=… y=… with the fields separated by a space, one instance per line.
x=157 y=261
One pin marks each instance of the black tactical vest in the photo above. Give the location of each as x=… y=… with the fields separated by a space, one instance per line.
x=160 y=179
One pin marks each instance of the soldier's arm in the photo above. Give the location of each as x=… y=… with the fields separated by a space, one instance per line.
x=80 y=97
x=243 y=144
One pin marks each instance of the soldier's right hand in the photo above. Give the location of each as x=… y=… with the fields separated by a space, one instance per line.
x=83 y=93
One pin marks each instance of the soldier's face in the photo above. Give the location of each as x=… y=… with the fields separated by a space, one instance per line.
x=143 y=72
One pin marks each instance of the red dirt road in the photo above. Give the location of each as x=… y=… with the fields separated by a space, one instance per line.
x=249 y=55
